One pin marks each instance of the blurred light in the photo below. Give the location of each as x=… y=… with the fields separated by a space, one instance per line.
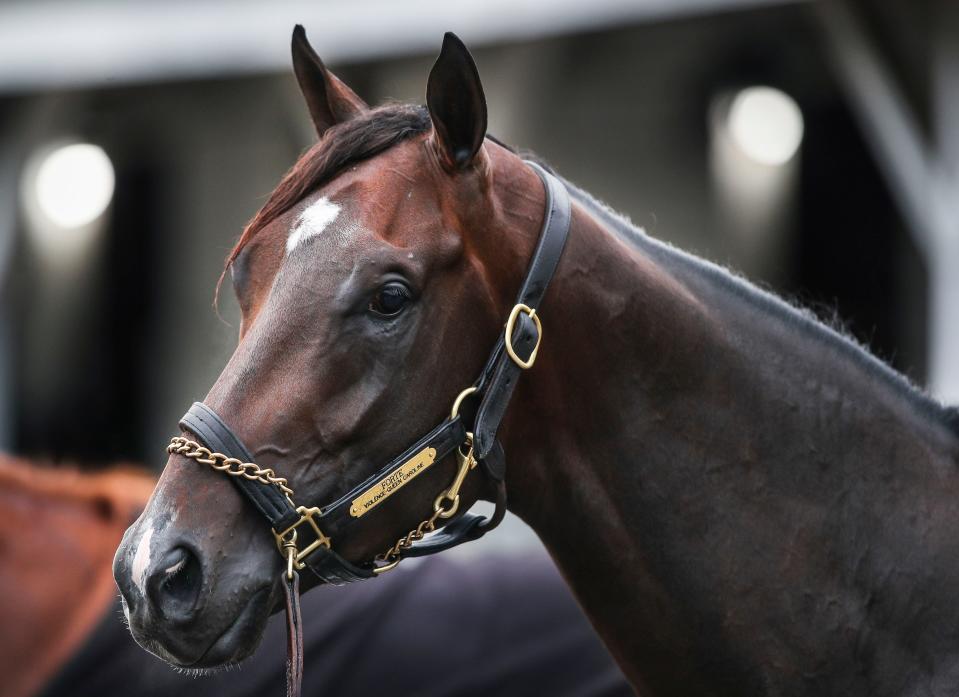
x=73 y=185
x=66 y=188
x=766 y=124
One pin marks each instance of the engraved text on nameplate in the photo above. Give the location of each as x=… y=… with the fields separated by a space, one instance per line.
x=392 y=482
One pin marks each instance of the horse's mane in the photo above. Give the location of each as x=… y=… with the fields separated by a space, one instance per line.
x=124 y=487
x=796 y=316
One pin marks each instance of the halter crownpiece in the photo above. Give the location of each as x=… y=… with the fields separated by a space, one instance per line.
x=305 y=536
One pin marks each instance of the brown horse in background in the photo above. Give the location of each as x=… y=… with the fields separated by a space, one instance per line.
x=59 y=531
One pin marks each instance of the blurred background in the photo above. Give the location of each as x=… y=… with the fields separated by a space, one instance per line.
x=813 y=146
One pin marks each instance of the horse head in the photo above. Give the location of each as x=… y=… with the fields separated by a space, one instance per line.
x=371 y=284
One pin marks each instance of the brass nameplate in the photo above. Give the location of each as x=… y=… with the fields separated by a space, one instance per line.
x=392 y=482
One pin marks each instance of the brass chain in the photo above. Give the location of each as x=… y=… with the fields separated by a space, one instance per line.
x=392 y=556
x=414 y=535
x=228 y=465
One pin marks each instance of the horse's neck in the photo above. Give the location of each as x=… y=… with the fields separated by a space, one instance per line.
x=60 y=530
x=708 y=472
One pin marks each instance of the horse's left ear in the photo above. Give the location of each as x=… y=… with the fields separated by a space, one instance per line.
x=327 y=97
x=457 y=105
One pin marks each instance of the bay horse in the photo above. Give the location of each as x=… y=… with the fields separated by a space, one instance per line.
x=743 y=500
x=62 y=636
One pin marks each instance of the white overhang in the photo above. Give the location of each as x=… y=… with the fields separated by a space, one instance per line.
x=70 y=44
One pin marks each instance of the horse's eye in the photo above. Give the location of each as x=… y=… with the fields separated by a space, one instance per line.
x=390 y=300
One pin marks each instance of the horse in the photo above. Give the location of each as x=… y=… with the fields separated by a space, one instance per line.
x=744 y=500
x=61 y=528
x=63 y=637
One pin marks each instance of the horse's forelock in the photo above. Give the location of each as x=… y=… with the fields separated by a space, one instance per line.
x=344 y=144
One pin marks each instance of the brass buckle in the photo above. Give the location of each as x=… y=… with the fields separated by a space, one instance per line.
x=287 y=539
x=511 y=323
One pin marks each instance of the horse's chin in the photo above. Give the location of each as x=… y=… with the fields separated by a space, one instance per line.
x=236 y=642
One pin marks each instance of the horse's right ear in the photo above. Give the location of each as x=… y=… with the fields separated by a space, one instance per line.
x=327 y=97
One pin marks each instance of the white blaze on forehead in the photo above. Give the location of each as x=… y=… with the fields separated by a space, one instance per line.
x=141 y=560
x=314 y=219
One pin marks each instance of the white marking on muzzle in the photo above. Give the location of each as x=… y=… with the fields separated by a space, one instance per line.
x=141 y=561
x=314 y=219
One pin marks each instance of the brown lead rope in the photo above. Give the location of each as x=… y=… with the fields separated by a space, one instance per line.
x=294 y=637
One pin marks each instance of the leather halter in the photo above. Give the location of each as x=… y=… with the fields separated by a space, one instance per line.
x=514 y=351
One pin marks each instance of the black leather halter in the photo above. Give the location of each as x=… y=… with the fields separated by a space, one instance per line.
x=476 y=442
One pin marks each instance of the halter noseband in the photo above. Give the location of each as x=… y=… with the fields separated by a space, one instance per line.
x=514 y=351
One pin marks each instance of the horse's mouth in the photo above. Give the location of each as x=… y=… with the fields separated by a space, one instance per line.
x=233 y=644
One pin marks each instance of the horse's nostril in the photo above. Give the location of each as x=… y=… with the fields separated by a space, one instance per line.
x=174 y=584
x=182 y=578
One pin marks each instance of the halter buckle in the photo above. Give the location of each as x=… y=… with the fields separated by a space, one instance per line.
x=510 y=325
x=287 y=539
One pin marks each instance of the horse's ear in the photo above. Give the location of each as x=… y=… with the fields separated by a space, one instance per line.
x=457 y=105
x=327 y=97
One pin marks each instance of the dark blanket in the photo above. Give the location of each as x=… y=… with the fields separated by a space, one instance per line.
x=501 y=626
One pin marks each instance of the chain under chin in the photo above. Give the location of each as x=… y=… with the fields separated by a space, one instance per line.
x=418 y=533
x=451 y=497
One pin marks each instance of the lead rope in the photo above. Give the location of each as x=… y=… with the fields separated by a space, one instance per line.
x=294 y=626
